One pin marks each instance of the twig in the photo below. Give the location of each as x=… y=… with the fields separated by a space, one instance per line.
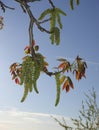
x=32 y=21
x=44 y=21
x=3 y=6
x=53 y=6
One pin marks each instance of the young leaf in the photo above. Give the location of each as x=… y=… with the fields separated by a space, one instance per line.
x=62 y=79
x=70 y=82
x=17 y=81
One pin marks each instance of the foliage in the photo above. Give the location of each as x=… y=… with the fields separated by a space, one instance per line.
x=88 y=115
x=28 y=72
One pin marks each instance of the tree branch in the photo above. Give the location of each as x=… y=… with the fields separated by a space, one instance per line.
x=53 y=6
x=33 y=20
x=62 y=124
x=44 y=21
x=3 y=6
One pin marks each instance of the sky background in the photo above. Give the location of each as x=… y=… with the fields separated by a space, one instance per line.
x=79 y=36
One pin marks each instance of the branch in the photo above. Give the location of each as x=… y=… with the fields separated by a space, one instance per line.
x=33 y=20
x=53 y=6
x=62 y=124
x=3 y=6
x=45 y=21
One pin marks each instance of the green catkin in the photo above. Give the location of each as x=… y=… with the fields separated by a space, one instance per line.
x=35 y=87
x=53 y=20
x=35 y=76
x=31 y=69
x=46 y=12
x=59 y=11
x=71 y=4
x=25 y=93
x=57 y=36
x=59 y=21
x=57 y=78
x=40 y=61
x=52 y=38
x=77 y=2
x=26 y=76
x=39 y=65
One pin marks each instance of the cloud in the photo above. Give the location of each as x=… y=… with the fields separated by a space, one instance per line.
x=13 y=119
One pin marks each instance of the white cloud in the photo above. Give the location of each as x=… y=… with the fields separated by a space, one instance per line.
x=13 y=119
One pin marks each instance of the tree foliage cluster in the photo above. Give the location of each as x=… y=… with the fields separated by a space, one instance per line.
x=88 y=118
x=28 y=72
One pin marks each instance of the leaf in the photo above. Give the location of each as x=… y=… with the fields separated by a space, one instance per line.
x=78 y=75
x=45 y=64
x=14 y=76
x=67 y=88
x=13 y=67
x=17 y=81
x=27 y=50
x=70 y=82
x=62 y=79
x=62 y=65
x=65 y=85
x=65 y=66
x=61 y=59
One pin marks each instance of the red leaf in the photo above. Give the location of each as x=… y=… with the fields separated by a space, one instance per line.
x=70 y=82
x=17 y=81
x=62 y=65
x=67 y=88
x=65 y=84
x=27 y=49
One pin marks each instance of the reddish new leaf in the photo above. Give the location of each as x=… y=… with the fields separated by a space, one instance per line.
x=66 y=86
x=17 y=81
x=27 y=50
x=70 y=82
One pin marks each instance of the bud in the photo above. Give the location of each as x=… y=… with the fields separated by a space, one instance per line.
x=36 y=48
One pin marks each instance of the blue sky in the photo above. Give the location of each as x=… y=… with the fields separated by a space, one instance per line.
x=79 y=36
